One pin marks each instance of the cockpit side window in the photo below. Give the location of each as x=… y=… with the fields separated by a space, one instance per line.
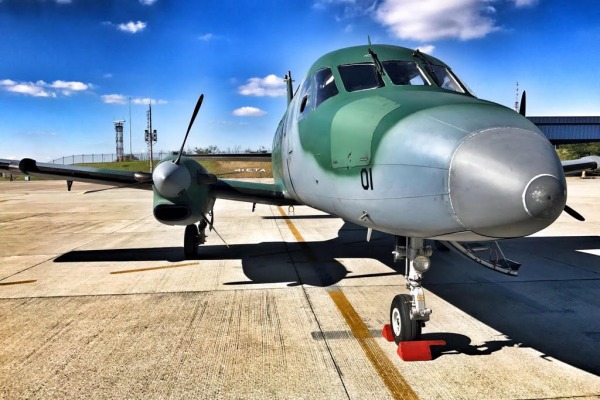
x=360 y=77
x=306 y=98
x=404 y=73
x=446 y=79
x=325 y=84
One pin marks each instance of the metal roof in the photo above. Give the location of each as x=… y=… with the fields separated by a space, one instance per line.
x=562 y=130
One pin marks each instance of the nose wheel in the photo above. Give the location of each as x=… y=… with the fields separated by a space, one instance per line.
x=190 y=241
x=408 y=312
x=404 y=328
x=193 y=237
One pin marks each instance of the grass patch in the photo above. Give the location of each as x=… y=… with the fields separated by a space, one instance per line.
x=223 y=169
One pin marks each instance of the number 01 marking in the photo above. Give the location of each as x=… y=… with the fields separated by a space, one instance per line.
x=366 y=178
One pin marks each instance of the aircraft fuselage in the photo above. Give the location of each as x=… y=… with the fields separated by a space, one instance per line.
x=409 y=151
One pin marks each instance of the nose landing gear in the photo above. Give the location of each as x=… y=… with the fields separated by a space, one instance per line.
x=193 y=237
x=408 y=313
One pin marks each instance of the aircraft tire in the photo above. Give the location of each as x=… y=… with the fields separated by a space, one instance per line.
x=403 y=327
x=190 y=241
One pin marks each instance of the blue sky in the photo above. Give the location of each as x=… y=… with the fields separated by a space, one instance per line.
x=69 y=67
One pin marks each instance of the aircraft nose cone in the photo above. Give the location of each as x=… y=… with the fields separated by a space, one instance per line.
x=544 y=197
x=506 y=182
x=171 y=179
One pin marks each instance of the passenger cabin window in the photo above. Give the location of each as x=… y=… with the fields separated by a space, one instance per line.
x=326 y=86
x=360 y=77
x=404 y=73
x=445 y=78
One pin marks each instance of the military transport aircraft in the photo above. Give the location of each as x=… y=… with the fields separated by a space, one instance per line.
x=387 y=138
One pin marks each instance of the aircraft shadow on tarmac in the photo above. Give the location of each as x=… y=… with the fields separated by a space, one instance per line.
x=461 y=344
x=552 y=308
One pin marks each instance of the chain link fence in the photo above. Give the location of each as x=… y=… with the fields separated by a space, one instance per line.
x=105 y=158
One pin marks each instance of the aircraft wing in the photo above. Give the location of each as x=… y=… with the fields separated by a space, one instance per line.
x=588 y=163
x=27 y=166
x=253 y=192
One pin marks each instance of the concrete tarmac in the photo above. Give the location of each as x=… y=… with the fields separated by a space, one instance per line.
x=97 y=301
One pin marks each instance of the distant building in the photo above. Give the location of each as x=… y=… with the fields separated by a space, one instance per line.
x=564 y=130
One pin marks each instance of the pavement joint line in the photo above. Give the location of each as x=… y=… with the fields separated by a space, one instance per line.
x=28 y=268
x=128 y=271
x=17 y=282
x=389 y=374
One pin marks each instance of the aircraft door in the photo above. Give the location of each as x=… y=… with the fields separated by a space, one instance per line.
x=301 y=104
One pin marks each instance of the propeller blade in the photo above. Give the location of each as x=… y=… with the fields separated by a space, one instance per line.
x=198 y=104
x=574 y=213
x=523 y=105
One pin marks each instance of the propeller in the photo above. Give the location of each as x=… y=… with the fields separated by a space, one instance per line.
x=574 y=213
x=171 y=178
x=523 y=105
x=198 y=105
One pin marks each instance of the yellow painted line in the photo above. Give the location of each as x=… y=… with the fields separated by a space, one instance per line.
x=393 y=380
x=291 y=225
x=128 y=271
x=312 y=257
x=17 y=282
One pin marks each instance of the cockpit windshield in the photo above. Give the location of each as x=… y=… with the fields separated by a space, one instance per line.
x=404 y=73
x=445 y=78
x=360 y=76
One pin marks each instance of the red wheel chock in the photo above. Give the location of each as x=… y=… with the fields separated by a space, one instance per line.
x=417 y=350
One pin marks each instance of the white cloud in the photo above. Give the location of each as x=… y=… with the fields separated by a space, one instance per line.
x=348 y=8
x=146 y=100
x=525 y=3
x=35 y=89
x=426 y=20
x=114 y=99
x=67 y=88
x=121 y=99
x=271 y=86
x=249 y=112
x=147 y=2
x=43 y=89
x=426 y=48
x=207 y=37
x=132 y=27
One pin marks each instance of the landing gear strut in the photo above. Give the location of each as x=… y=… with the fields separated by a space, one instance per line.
x=408 y=313
x=193 y=237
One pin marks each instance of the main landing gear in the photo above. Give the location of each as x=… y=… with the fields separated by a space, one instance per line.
x=408 y=313
x=194 y=236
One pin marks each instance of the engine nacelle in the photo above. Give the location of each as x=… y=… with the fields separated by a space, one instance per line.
x=189 y=201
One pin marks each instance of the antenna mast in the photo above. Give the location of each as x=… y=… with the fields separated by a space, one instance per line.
x=517 y=99
x=150 y=134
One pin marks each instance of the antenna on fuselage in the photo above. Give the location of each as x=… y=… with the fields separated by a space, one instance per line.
x=290 y=86
x=369 y=39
